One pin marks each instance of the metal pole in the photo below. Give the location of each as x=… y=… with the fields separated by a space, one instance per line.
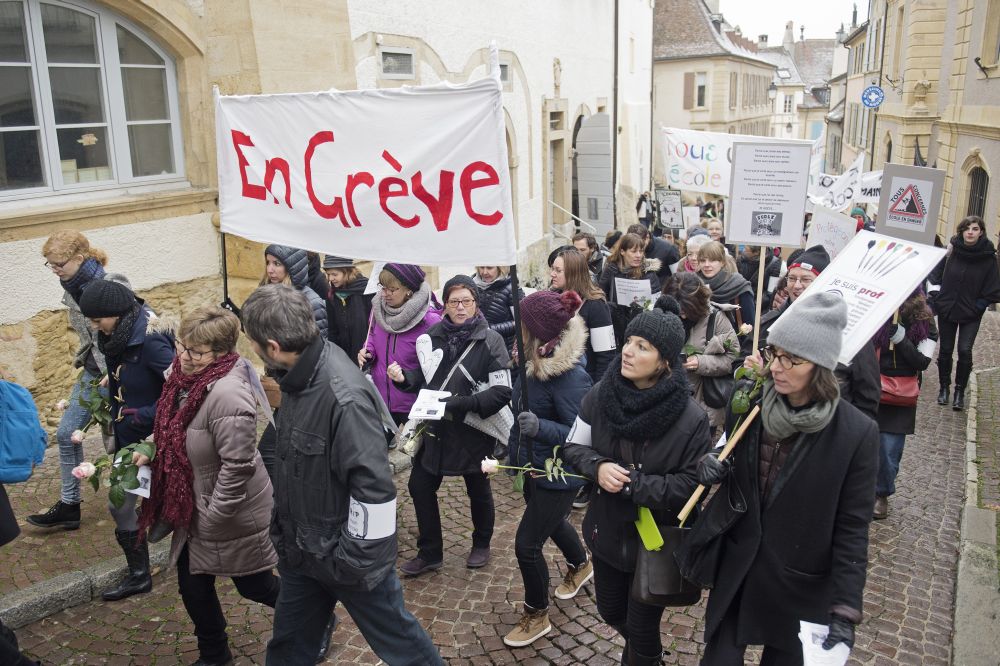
x=614 y=128
x=519 y=339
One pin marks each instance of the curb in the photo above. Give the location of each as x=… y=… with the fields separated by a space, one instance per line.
x=71 y=589
x=977 y=599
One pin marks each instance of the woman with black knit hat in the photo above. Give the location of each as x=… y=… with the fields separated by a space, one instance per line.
x=555 y=338
x=790 y=521
x=969 y=282
x=137 y=351
x=463 y=356
x=640 y=435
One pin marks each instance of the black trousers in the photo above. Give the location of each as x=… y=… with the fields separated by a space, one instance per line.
x=723 y=650
x=966 y=333
x=202 y=603
x=641 y=622
x=544 y=518
x=423 y=488
x=10 y=654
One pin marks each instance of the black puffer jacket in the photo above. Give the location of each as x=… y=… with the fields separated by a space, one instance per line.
x=621 y=315
x=969 y=281
x=347 y=312
x=495 y=301
x=666 y=253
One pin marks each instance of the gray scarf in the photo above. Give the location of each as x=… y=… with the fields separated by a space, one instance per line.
x=401 y=319
x=782 y=421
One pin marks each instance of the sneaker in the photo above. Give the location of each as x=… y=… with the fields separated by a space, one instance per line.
x=66 y=516
x=478 y=558
x=582 y=500
x=417 y=566
x=533 y=625
x=575 y=579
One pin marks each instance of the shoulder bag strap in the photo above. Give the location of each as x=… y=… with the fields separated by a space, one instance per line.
x=461 y=358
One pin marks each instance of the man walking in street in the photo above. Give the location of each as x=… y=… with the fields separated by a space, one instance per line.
x=334 y=522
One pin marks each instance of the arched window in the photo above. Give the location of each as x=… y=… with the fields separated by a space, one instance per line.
x=86 y=101
x=888 y=151
x=979 y=181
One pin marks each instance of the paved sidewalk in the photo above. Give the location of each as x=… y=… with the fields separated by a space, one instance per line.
x=909 y=600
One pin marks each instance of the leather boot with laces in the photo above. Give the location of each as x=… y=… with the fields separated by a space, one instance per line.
x=66 y=516
x=574 y=580
x=533 y=625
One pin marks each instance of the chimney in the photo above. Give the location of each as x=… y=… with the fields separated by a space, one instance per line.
x=789 y=38
x=841 y=34
x=854 y=17
x=802 y=33
x=762 y=41
x=716 y=20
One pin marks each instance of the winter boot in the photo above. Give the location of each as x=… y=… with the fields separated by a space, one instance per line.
x=943 y=395
x=959 y=403
x=533 y=625
x=574 y=580
x=139 y=579
x=324 y=646
x=66 y=516
x=881 y=511
x=636 y=659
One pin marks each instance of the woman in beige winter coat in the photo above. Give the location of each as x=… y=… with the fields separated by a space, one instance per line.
x=709 y=353
x=209 y=483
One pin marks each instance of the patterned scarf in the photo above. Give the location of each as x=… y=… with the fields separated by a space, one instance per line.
x=90 y=269
x=171 y=498
x=113 y=346
x=456 y=335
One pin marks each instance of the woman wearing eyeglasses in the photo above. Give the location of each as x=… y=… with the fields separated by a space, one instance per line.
x=462 y=355
x=788 y=528
x=138 y=349
x=70 y=257
x=209 y=484
x=402 y=311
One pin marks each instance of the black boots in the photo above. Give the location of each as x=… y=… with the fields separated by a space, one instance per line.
x=943 y=395
x=959 y=403
x=636 y=659
x=324 y=647
x=66 y=516
x=138 y=579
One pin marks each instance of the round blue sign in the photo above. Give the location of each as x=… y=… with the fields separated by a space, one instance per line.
x=872 y=97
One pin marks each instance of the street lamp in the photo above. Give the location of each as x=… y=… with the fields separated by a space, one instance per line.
x=772 y=91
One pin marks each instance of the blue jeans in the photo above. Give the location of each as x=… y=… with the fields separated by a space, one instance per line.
x=304 y=608
x=70 y=455
x=890 y=452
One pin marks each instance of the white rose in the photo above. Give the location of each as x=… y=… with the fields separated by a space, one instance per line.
x=77 y=437
x=84 y=470
x=489 y=465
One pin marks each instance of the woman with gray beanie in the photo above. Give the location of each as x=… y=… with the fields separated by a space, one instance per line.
x=788 y=529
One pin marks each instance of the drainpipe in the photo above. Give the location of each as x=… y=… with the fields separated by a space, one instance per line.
x=614 y=127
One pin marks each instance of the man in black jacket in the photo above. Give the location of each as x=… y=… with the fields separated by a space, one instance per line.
x=334 y=521
x=657 y=248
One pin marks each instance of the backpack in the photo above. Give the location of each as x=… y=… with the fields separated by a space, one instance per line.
x=22 y=438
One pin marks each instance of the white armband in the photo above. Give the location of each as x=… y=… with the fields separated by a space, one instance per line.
x=603 y=339
x=371 y=521
x=579 y=433
x=500 y=378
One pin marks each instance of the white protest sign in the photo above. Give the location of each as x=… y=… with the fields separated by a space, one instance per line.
x=692 y=216
x=769 y=186
x=629 y=291
x=372 y=286
x=669 y=205
x=839 y=194
x=874 y=274
x=910 y=202
x=697 y=161
x=406 y=174
x=831 y=229
x=870 y=189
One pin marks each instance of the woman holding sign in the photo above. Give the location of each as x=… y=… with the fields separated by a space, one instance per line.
x=969 y=282
x=629 y=279
x=639 y=435
x=463 y=356
x=787 y=532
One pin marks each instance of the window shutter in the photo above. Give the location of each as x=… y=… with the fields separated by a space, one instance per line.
x=688 y=90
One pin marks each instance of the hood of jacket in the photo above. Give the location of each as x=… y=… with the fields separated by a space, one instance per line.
x=148 y=323
x=295 y=261
x=565 y=355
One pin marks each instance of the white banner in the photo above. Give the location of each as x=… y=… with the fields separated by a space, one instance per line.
x=870 y=189
x=831 y=229
x=409 y=175
x=838 y=194
x=696 y=161
x=874 y=274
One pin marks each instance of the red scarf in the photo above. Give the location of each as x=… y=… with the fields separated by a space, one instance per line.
x=172 y=495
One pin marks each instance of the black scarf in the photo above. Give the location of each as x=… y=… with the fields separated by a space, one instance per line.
x=981 y=250
x=90 y=269
x=726 y=287
x=456 y=335
x=639 y=415
x=113 y=346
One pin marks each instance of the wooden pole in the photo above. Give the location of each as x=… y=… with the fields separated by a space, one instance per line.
x=732 y=442
x=760 y=298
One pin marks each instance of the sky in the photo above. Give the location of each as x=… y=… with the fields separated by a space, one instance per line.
x=821 y=18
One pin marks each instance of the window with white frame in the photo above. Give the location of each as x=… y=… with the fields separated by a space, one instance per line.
x=396 y=63
x=789 y=100
x=86 y=101
x=701 y=89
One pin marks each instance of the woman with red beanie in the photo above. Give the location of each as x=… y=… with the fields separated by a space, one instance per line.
x=555 y=340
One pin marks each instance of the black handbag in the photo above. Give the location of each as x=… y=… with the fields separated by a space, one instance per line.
x=657 y=580
x=715 y=391
x=699 y=555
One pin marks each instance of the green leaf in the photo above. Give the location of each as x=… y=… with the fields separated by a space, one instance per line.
x=741 y=402
x=130 y=484
x=95 y=481
x=690 y=350
x=519 y=482
x=116 y=495
x=548 y=468
x=741 y=372
x=147 y=449
x=131 y=474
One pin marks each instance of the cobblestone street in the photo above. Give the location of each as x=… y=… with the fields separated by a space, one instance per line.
x=909 y=599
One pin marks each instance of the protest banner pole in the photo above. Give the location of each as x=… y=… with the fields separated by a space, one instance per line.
x=760 y=297
x=727 y=449
x=519 y=338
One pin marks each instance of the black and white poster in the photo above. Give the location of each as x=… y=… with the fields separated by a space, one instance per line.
x=770 y=182
x=668 y=207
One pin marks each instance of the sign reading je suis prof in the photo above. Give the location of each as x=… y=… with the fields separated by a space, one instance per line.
x=404 y=175
x=910 y=202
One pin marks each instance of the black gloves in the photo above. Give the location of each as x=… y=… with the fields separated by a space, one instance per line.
x=458 y=405
x=711 y=471
x=841 y=631
x=528 y=423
